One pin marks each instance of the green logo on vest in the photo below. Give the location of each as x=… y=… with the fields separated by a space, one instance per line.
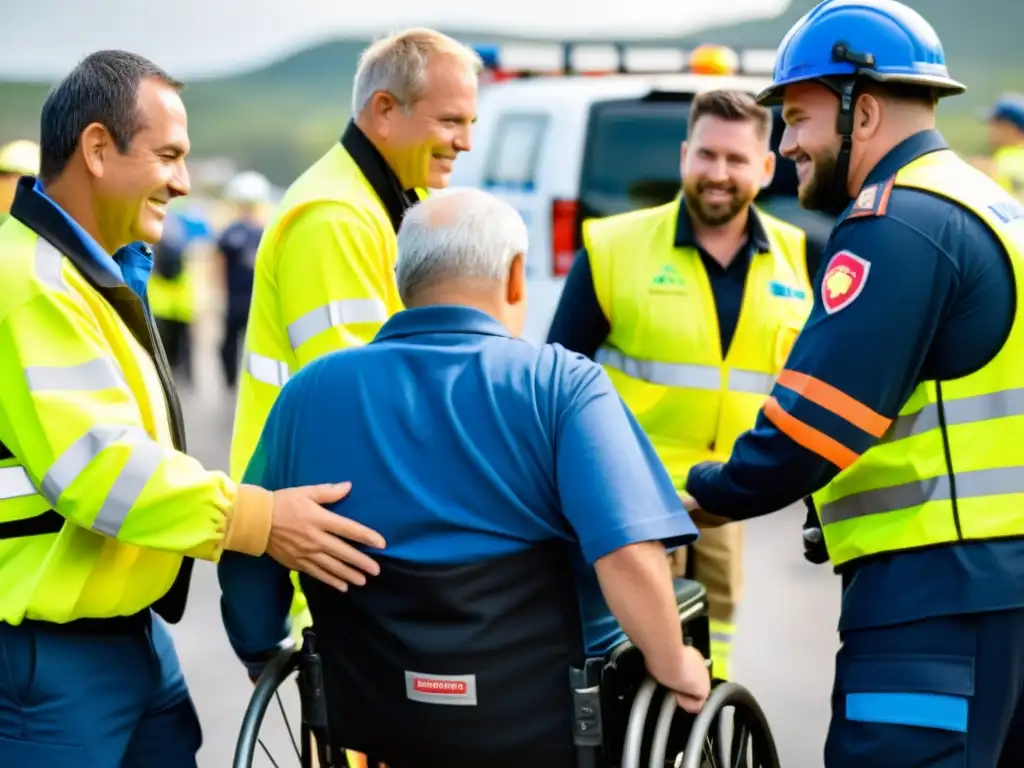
x=668 y=279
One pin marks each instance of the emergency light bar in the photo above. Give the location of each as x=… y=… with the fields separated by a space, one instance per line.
x=536 y=59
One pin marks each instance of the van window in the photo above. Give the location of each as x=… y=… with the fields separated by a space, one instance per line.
x=515 y=151
x=632 y=155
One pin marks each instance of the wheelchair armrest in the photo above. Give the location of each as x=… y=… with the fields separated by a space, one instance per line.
x=691 y=597
x=692 y=600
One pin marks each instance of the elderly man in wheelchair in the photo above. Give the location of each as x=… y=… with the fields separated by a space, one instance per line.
x=523 y=613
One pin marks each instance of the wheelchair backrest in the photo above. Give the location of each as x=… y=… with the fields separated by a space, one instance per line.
x=439 y=660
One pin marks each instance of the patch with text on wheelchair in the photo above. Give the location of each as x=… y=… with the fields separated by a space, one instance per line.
x=419 y=669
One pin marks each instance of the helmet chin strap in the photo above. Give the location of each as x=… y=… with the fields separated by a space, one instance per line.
x=847 y=92
x=840 y=196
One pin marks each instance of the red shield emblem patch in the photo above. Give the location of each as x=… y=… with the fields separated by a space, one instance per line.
x=844 y=279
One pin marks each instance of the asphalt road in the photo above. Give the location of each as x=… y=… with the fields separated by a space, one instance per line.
x=784 y=652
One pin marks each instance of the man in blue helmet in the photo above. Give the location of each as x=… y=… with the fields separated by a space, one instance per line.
x=1006 y=138
x=899 y=411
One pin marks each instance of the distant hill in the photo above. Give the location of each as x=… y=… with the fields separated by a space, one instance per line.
x=279 y=118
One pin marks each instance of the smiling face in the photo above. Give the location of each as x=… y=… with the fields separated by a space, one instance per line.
x=724 y=165
x=424 y=139
x=134 y=187
x=811 y=141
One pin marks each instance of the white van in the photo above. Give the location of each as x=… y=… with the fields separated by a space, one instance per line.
x=562 y=148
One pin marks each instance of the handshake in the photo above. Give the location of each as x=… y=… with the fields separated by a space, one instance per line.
x=701 y=518
x=815 y=551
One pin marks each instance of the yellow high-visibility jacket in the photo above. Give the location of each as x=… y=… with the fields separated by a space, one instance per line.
x=98 y=502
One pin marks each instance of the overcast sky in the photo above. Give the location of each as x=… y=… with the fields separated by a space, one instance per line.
x=42 y=39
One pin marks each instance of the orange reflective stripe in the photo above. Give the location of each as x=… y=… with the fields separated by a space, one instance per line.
x=836 y=401
x=807 y=436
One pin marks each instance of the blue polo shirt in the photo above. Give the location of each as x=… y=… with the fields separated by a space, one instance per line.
x=937 y=304
x=462 y=444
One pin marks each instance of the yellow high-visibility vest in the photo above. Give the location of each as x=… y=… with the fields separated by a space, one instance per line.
x=1009 y=169
x=664 y=351
x=960 y=437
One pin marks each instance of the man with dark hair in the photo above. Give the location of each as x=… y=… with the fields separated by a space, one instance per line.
x=899 y=409
x=655 y=296
x=101 y=509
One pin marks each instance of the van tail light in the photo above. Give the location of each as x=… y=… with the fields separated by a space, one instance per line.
x=564 y=237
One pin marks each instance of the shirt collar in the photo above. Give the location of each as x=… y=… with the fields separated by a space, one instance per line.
x=441 y=318
x=37 y=211
x=382 y=178
x=95 y=250
x=904 y=153
x=755 y=230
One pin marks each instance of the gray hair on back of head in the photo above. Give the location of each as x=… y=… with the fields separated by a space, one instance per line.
x=457 y=233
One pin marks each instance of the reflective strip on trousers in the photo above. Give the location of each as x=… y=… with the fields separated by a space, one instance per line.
x=49 y=265
x=95 y=375
x=966 y=410
x=341 y=312
x=266 y=369
x=685 y=375
x=143 y=461
x=969 y=485
x=15 y=483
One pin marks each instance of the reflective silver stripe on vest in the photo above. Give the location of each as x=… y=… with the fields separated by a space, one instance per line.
x=967 y=410
x=342 y=312
x=92 y=376
x=143 y=461
x=49 y=265
x=15 y=483
x=684 y=374
x=266 y=369
x=753 y=382
x=974 y=484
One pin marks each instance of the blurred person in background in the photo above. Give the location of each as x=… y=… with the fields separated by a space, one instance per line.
x=249 y=192
x=101 y=509
x=172 y=297
x=325 y=269
x=1006 y=140
x=655 y=296
x=17 y=158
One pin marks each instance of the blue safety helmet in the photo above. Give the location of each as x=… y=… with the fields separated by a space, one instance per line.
x=1009 y=107
x=843 y=40
x=842 y=43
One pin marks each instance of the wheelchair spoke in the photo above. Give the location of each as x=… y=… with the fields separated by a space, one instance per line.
x=266 y=751
x=740 y=746
x=287 y=725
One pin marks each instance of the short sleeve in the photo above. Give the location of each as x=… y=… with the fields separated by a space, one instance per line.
x=613 y=489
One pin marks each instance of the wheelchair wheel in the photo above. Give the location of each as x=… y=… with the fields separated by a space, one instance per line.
x=267 y=691
x=751 y=745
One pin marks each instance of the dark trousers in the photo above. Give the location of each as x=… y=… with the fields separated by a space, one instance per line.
x=231 y=345
x=945 y=692
x=97 y=700
x=175 y=336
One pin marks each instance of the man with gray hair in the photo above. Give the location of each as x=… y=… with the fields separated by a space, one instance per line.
x=324 y=271
x=502 y=476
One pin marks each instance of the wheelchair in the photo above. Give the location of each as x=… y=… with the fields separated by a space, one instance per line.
x=622 y=718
